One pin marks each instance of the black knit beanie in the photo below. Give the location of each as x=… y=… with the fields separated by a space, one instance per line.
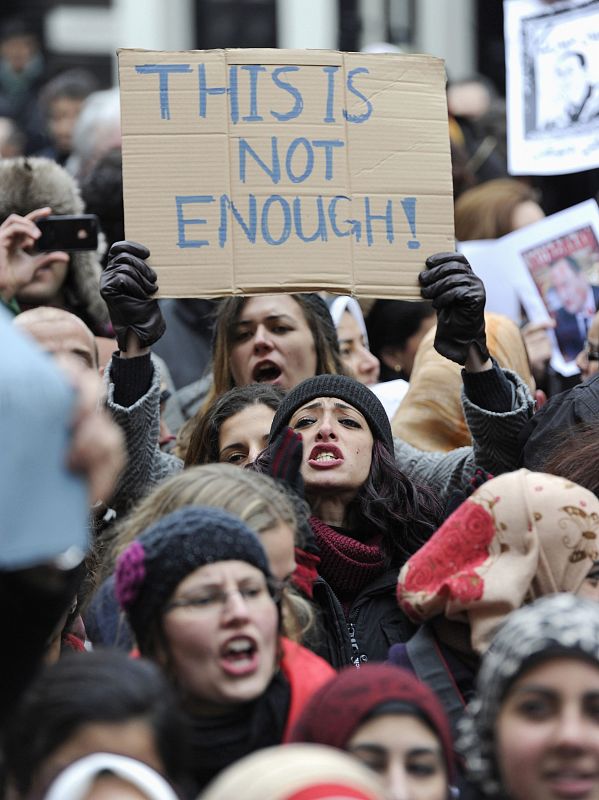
x=149 y=570
x=348 y=389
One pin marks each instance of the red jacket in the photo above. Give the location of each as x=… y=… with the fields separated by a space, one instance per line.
x=306 y=672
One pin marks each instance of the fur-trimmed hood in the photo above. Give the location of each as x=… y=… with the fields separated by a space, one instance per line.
x=29 y=183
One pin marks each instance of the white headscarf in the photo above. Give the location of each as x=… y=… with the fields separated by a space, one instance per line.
x=76 y=780
x=340 y=305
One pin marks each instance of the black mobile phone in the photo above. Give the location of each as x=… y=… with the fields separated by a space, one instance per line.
x=68 y=232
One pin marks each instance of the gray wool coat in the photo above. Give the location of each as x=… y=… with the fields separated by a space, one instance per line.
x=494 y=434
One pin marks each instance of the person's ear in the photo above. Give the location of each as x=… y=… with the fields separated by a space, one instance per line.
x=392 y=357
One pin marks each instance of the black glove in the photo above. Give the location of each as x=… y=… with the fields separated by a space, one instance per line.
x=282 y=460
x=458 y=297
x=127 y=285
x=286 y=462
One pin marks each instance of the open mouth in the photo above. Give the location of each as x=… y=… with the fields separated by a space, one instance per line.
x=324 y=456
x=574 y=784
x=266 y=372
x=239 y=656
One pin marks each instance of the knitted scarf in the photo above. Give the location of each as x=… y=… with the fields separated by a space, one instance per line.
x=346 y=564
x=217 y=742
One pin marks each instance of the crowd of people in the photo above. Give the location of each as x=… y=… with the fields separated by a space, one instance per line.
x=284 y=547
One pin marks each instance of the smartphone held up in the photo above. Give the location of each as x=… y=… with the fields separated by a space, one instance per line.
x=68 y=232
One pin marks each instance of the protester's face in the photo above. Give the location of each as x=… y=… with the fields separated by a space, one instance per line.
x=526 y=213
x=571 y=287
x=243 y=436
x=272 y=343
x=403 y=357
x=405 y=753
x=133 y=738
x=222 y=646
x=279 y=544
x=356 y=356
x=62 y=116
x=64 y=337
x=46 y=285
x=337 y=446
x=547 y=733
x=589 y=366
x=572 y=79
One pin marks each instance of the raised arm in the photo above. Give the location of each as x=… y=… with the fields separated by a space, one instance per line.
x=497 y=404
x=128 y=286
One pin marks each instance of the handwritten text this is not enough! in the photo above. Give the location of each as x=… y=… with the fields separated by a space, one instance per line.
x=255 y=154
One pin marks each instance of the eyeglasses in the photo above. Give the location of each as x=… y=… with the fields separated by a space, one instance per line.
x=215 y=600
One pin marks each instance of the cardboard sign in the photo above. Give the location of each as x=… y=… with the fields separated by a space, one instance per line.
x=259 y=171
x=552 y=61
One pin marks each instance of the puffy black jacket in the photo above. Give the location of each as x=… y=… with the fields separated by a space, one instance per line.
x=375 y=622
x=564 y=411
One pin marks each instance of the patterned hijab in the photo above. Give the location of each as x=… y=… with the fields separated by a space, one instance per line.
x=557 y=626
x=519 y=537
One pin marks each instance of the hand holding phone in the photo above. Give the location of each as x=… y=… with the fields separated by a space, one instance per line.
x=69 y=232
x=18 y=236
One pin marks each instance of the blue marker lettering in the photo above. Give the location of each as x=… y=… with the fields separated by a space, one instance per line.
x=309 y=160
x=328 y=145
x=249 y=228
x=163 y=70
x=254 y=70
x=409 y=208
x=204 y=91
x=321 y=228
x=369 y=217
x=284 y=205
x=293 y=91
x=355 y=227
x=183 y=200
x=273 y=172
x=233 y=94
x=351 y=88
x=330 y=72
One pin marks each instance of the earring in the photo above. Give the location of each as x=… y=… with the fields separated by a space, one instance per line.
x=397 y=367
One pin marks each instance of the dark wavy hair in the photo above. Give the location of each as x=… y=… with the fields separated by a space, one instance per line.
x=100 y=687
x=203 y=444
x=389 y=503
x=573 y=454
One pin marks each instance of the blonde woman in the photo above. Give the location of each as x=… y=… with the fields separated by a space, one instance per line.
x=256 y=499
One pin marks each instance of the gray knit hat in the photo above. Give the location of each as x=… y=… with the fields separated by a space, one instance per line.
x=348 y=389
x=557 y=625
x=149 y=570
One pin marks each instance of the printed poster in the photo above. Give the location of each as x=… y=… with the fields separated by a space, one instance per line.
x=552 y=64
x=554 y=268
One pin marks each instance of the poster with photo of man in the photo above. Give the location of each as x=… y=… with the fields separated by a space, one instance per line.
x=565 y=271
x=552 y=64
x=553 y=267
